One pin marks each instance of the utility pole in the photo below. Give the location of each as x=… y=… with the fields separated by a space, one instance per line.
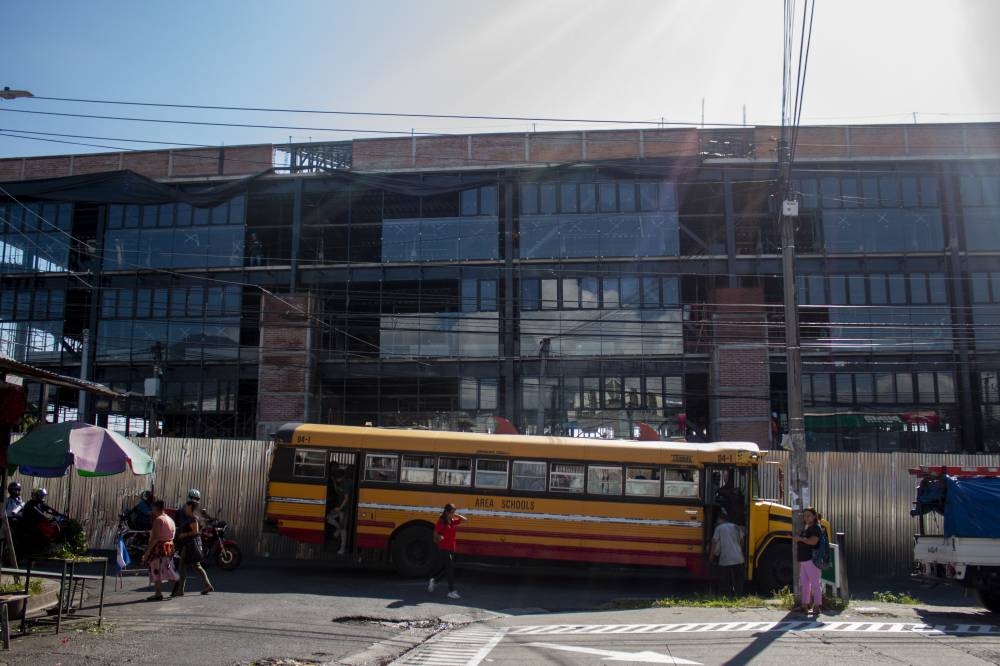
x=81 y=403
x=543 y=354
x=798 y=473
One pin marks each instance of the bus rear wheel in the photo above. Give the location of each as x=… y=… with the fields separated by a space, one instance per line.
x=774 y=569
x=414 y=554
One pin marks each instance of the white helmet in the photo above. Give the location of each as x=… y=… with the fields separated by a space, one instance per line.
x=193 y=494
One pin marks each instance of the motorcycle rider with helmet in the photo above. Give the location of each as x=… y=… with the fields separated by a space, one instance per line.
x=141 y=515
x=14 y=503
x=38 y=520
x=194 y=495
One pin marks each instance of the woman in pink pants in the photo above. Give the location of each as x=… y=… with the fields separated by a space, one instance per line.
x=809 y=582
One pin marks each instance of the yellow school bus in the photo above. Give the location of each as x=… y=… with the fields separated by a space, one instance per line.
x=556 y=499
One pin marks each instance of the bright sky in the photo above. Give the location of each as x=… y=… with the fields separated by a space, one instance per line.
x=871 y=61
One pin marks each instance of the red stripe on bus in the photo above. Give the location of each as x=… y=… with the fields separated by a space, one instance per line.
x=285 y=516
x=376 y=523
x=691 y=562
x=303 y=535
x=563 y=535
x=376 y=541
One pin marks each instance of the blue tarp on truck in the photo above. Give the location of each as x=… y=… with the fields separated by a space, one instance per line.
x=972 y=507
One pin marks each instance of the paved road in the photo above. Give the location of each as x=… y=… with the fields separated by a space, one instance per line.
x=281 y=614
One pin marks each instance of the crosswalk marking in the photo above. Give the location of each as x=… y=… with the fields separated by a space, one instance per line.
x=461 y=647
x=800 y=625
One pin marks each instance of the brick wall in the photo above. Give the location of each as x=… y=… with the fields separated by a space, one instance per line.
x=739 y=380
x=197 y=162
x=286 y=386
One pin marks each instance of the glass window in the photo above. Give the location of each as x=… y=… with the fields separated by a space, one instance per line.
x=671 y=292
x=487 y=394
x=149 y=216
x=469 y=202
x=529 y=295
x=550 y=294
x=864 y=389
x=838 y=290
x=630 y=292
x=869 y=191
x=845 y=388
x=879 y=289
x=184 y=213
x=856 y=289
x=570 y=294
x=567 y=197
x=821 y=388
x=849 y=192
x=648 y=196
x=650 y=292
x=830 y=189
x=885 y=390
x=918 y=288
x=487 y=295
x=548 y=198
x=679 y=482
x=904 y=387
x=908 y=191
x=929 y=191
x=668 y=196
x=889 y=190
x=938 y=288
x=946 y=387
x=528 y=475
x=131 y=219
x=529 y=200
x=925 y=387
x=491 y=473
x=626 y=197
x=604 y=480
x=380 y=467
x=588 y=198
x=589 y=296
x=607 y=199
x=610 y=296
x=566 y=478
x=991 y=190
x=897 y=289
x=417 y=469
x=642 y=481
x=454 y=471
x=488 y=200
x=311 y=464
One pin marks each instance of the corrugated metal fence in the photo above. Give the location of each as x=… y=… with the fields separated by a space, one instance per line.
x=866 y=495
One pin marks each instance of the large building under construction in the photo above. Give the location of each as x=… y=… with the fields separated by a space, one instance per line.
x=578 y=282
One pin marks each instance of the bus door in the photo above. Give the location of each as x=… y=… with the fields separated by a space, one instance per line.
x=341 y=499
x=727 y=490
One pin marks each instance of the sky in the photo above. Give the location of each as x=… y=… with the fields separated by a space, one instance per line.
x=653 y=61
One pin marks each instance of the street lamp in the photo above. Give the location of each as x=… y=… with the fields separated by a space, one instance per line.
x=7 y=93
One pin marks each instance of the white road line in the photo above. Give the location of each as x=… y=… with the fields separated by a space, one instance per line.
x=461 y=647
x=812 y=626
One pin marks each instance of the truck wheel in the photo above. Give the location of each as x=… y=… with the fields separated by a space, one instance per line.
x=990 y=598
x=414 y=554
x=774 y=569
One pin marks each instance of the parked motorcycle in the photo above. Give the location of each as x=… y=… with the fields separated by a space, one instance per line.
x=135 y=540
x=217 y=548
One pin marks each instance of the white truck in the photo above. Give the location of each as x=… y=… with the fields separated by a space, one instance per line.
x=959 y=537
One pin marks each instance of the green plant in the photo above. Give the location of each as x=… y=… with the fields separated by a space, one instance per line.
x=895 y=598
x=14 y=587
x=74 y=537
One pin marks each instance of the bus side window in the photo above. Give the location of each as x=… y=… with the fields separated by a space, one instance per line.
x=454 y=471
x=604 y=480
x=380 y=468
x=491 y=473
x=417 y=469
x=642 y=481
x=528 y=475
x=566 y=478
x=311 y=464
x=678 y=482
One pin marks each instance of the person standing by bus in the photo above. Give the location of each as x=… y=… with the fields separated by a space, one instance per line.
x=445 y=536
x=727 y=553
x=809 y=573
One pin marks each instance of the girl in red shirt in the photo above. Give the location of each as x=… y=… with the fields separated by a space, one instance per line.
x=444 y=537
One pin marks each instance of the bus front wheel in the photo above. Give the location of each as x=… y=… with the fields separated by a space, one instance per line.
x=774 y=569
x=414 y=554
